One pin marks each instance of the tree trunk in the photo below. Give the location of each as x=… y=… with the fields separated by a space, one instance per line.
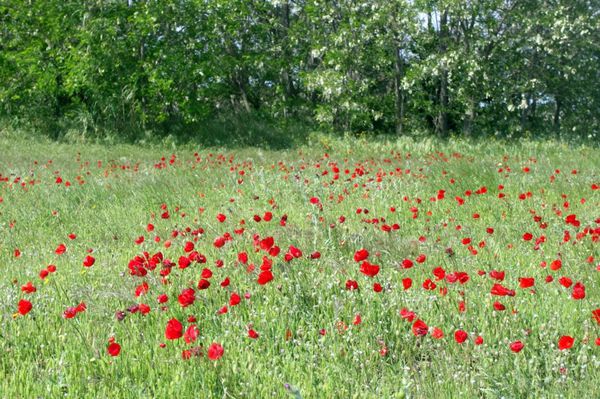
x=469 y=117
x=399 y=93
x=442 y=123
x=525 y=113
x=286 y=76
x=556 y=119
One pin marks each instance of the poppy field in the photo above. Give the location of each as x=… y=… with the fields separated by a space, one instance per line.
x=337 y=269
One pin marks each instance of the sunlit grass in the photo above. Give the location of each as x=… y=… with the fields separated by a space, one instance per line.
x=308 y=343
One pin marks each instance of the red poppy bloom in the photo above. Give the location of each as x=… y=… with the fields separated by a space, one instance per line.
x=89 y=261
x=565 y=282
x=188 y=246
x=460 y=336
x=203 y=284
x=429 y=285
x=565 y=342
x=215 y=351
x=264 y=277
x=24 y=307
x=113 y=349
x=361 y=255
x=187 y=297
x=437 y=333
x=369 y=269
x=516 y=346
x=191 y=334
x=578 y=291
x=526 y=282
x=174 y=329
x=61 y=249
x=234 y=299
x=419 y=328
x=407 y=314
x=28 y=288
x=496 y=275
x=500 y=290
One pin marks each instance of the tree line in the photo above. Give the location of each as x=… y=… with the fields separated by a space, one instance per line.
x=465 y=67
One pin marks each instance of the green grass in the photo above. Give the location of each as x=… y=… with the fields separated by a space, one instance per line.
x=46 y=355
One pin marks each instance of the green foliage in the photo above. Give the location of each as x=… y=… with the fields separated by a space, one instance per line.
x=454 y=67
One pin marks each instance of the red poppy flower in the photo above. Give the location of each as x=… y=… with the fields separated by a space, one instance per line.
x=267 y=243
x=361 y=255
x=500 y=290
x=60 y=249
x=203 y=284
x=187 y=297
x=460 y=336
x=351 y=285
x=69 y=313
x=113 y=349
x=565 y=282
x=252 y=334
x=188 y=246
x=439 y=273
x=369 y=269
x=234 y=299
x=174 y=329
x=28 y=288
x=556 y=264
x=407 y=314
x=526 y=282
x=496 y=275
x=516 y=346
x=264 y=277
x=141 y=289
x=24 y=307
x=437 y=333
x=565 y=342
x=596 y=315
x=429 y=285
x=419 y=328
x=191 y=334
x=578 y=291
x=219 y=242
x=89 y=261
x=215 y=351
x=406 y=283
